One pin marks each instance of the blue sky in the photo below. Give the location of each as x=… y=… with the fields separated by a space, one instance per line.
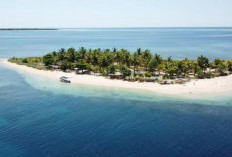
x=115 y=13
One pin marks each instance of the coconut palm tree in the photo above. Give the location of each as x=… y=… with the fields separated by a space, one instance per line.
x=229 y=65
x=203 y=62
x=71 y=54
x=220 y=65
x=82 y=51
x=154 y=63
x=146 y=58
x=61 y=54
x=135 y=62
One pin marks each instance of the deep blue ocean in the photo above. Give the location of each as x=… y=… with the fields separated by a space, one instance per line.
x=43 y=118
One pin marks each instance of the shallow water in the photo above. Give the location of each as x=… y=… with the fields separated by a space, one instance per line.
x=42 y=117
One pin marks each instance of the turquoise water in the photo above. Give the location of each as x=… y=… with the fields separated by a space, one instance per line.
x=41 y=117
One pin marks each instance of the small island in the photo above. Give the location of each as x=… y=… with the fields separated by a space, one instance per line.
x=139 y=71
x=140 y=66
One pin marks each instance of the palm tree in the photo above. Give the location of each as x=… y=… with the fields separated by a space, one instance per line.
x=203 y=62
x=222 y=68
x=114 y=50
x=61 y=54
x=146 y=57
x=154 y=63
x=48 y=59
x=112 y=69
x=89 y=57
x=161 y=67
x=185 y=66
x=172 y=68
x=106 y=59
x=82 y=51
x=219 y=65
x=71 y=54
x=125 y=71
x=123 y=57
x=135 y=61
x=96 y=56
x=169 y=59
x=229 y=65
x=139 y=51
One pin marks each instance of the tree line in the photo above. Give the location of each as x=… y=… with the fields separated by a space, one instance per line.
x=141 y=63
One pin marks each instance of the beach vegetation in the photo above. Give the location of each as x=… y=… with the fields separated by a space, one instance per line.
x=203 y=62
x=229 y=65
x=48 y=59
x=122 y=64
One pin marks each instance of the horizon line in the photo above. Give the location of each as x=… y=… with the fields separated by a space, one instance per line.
x=113 y=27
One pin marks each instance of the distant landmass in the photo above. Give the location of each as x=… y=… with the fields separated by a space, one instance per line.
x=10 y=29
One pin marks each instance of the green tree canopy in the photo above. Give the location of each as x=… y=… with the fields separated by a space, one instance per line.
x=203 y=62
x=48 y=59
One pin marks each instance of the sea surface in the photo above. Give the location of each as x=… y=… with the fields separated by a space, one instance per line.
x=43 y=118
x=176 y=42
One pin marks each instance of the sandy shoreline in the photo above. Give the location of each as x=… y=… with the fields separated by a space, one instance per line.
x=215 y=86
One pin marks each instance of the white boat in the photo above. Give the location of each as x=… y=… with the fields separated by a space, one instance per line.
x=65 y=79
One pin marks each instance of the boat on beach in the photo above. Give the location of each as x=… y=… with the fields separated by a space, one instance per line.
x=64 y=79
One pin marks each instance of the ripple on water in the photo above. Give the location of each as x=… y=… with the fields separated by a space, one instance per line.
x=3 y=122
x=7 y=150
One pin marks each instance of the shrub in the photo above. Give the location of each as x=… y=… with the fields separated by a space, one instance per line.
x=200 y=74
x=112 y=69
x=48 y=59
x=208 y=75
x=166 y=76
x=24 y=60
x=148 y=74
x=141 y=75
x=65 y=65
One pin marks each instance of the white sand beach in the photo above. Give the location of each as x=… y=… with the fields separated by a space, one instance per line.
x=214 y=86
